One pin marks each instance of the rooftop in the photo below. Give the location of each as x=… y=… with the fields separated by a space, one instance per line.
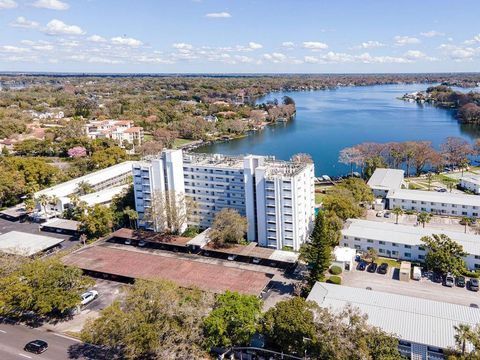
x=412 y=319
x=62 y=224
x=406 y=234
x=386 y=179
x=435 y=196
x=213 y=160
x=471 y=178
x=25 y=244
x=103 y=196
x=187 y=273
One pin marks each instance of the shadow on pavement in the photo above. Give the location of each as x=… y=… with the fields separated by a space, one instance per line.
x=89 y=351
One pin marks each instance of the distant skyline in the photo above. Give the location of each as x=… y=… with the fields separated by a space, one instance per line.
x=239 y=36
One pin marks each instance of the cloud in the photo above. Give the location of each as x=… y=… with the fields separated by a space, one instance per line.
x=126 y=41
x=476 y=39
x=254 y=45
x=366 y=58
x=288 y=44
x=371 y=44
x=432 y=33
x=314 y=45
x=417 y=55
x=8 y=4
x=96 y=38
x=218 y=15
x=406 y=40
x=275 y=57
x=459 y=53
x=51 y=4
x=182 y=46
x=22 y=22
x=13 y=49
x=58 y=27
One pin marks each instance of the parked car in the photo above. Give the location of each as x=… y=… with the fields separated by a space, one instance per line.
x=449 y=280
x=128 y=242
x=88 y=297
x=142 y=243
x=460 y=281
x=442 y=190
x=473 y=284
x=36 y=346
x=386 y=215
x=362 y=265
x=232 y=257
x=383 y=268
x=437 y=278
x=379 y=214
x=372 y=267
x=256 y=260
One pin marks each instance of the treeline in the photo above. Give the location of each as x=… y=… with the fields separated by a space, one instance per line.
x=410 y=155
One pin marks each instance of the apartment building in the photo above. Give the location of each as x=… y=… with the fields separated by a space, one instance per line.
x=471 y=183
x=402 y=241
x=451 y=204
x=276 y=197
x=384 y=180
x=119 y=130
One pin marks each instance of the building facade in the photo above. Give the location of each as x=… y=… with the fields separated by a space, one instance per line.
x=120 y=131
x=403 y=242
x=384 y=180
x=471 y=183
x=276 y=197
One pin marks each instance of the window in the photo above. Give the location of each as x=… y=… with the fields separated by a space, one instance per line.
x=407 y=246
x=421 y=257
x=421 y=248
x=394 y=244
x=357 y=239
x=369 y=241
x=381 y=242
x=408 y=255
x=381 y=251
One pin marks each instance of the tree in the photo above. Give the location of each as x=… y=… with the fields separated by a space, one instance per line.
x=132 y=216
x=156 y=320
x=371 y=164
x=228 y=228
x=359 y=189
x=169 y=211
x=372 y=255
x=43 y=286
x=466 y=221
x=302 y=158
x=44 y=200
x=77 y=152
x=233 y=321
x=97 y=221
x=290 y=325
x=318 y=252
x=104 y=158
x=463 y=334
x=84 y=187
x=351 y=156
x=424 y=218
x=455 y=150
x=166 y=137
x=397 y=211
x=429 y=179
x=342 y=202
x=444 y=254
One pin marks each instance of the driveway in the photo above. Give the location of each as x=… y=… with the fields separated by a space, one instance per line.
x=424 y=288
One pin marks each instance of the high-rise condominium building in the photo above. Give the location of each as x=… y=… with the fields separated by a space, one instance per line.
x=276 y=197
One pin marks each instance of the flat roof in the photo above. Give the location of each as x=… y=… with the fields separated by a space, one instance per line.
x=26 y=244
x=103 y=196
x=406 y=234
x=412 y=319
x=187 y=273
x=150 y=236
x=471 y=178
x=15 y=211
x=201 y=239
x=69 y=187
x=63 y=224
x=386 y=179
x=434 y=196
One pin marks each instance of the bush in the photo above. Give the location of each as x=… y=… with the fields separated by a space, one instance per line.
x=337 y=280
x=471 y=274
x=191 y=231
x=335 y=270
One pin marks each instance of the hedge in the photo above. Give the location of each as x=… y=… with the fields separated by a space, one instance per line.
x=334 y=280
x=335 y=270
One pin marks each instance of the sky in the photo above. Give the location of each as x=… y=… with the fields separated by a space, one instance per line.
x=240 y=36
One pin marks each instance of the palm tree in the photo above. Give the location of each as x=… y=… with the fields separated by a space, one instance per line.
x=429 y=178
x=43 y=201
x=132 y=216
x=54 y=201
x=424 y=218
x=466 y=221
x=83 y=188
x=397 y=211
x=462 y=336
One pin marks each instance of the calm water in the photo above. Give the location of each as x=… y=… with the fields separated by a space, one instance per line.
x=328 y=121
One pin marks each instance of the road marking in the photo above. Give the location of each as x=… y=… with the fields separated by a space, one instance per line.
x=67 y=337
x=25 y=356
x=3 y=332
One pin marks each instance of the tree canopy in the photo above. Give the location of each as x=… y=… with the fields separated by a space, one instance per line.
x=228 y=228
x=444 y=254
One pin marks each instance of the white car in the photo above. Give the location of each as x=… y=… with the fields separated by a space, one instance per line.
x=88 y=296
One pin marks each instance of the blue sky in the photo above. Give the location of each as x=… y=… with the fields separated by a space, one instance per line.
x=239 y=36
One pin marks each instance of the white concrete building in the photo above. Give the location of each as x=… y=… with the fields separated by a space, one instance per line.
x=276 y=197
x=384 y=180
x=403 y=242
x=118 y=130
x=425 y=328
x=434 y=202
x=471 y=182
x=106 y=183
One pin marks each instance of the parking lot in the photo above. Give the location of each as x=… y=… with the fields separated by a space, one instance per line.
x=423 y=288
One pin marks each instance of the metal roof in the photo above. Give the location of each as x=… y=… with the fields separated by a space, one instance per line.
x=386 y=179
x=25 y=244
x=434 y=196
x=475 y=179
x=412 y=319
x=406 y=234
x=103 y=196
x=63 y=224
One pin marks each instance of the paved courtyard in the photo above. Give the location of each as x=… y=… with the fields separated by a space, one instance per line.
x=424 y=288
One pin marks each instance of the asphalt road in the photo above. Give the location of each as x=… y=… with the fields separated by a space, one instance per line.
x=14 y=337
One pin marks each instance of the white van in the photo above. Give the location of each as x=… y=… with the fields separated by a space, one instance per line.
x=417 y=273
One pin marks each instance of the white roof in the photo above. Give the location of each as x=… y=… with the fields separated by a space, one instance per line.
x=69 y=187
x=344 y=254
x=284 y=256
x=103 y=196
x=412 y=319
x=20 y=243
x=386 y=179
x=406 y=234
x=434 y=196
x=201 y=239
x=64 y=224
x=475 y=179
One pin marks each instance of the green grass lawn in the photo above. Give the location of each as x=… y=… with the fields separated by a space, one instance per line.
x=391 y=262
x=319 y=198
x=180 y=142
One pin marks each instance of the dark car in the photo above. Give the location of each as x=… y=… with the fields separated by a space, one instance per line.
x=372 y=267
x=437 y=278
x=383 y=268
x=460 y=281
x=473 y=285
x=362 y=265
x=36 y=346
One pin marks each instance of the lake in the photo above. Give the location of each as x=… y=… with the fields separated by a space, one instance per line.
x=329 y=120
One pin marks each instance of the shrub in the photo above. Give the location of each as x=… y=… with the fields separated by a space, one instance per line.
x=337 y=280
x=335 y=270
x=472 y=274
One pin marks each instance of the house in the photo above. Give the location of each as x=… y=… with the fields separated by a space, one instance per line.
x=119 y=130
x=384 y=180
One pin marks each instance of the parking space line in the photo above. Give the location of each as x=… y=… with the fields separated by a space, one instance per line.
x=67 y=337
x=3 y=331
x=25 y=356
